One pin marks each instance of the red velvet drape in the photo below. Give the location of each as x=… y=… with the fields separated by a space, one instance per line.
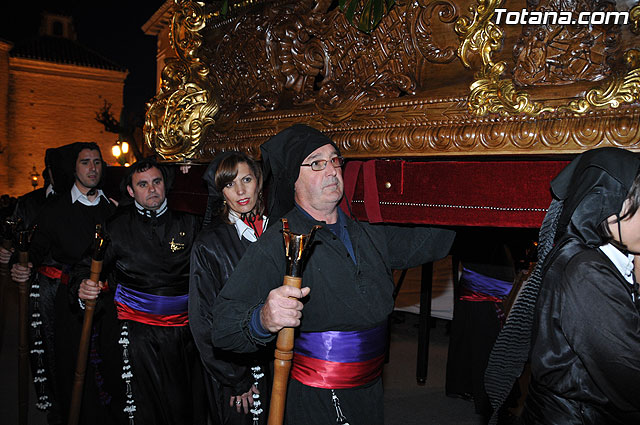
x=491 y=193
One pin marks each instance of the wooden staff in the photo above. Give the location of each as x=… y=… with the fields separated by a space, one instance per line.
x=23 y=239
x=8 y=232
x=295 y=246
x=100 y=243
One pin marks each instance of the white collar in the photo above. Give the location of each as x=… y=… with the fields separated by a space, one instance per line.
x=76 y=195
x=49 y=191
x=149 y=213
x=623 y=262
x=243 y=230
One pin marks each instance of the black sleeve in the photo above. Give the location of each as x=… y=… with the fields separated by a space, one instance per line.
x=260 y=270
x=205 y=282
x=602 y=326
x=412 y=246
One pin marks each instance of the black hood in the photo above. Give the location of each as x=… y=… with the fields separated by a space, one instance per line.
x=593 y=187
x=282 y=156
x=63 y=165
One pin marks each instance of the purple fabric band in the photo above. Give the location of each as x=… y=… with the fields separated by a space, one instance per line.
x=486 y=285
x=153 y=304
x=343 y=347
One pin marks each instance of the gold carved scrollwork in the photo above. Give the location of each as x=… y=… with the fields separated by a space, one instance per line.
x=177 y=117
x=619 y=90
x=490 y=93
x=634 y=15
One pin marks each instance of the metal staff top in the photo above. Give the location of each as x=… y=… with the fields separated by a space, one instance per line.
x=295 y=246
x=99 y=244
x=9 y=227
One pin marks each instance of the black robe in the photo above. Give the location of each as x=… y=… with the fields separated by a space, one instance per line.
x=29 y=205
x=151 y=255
x=476 y=324
x=63 y=237
x=585 y=366
x=345 y=296
x=213 y=258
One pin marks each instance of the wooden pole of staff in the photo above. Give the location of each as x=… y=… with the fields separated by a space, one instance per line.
x=282 y=365
x=8 y=231
x=85 y=336
x=23 y=343
x=295 y=246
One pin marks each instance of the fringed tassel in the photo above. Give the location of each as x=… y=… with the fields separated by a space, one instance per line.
x=340 y=418
x=127 y=374
x=40 y=376
x=256 y=409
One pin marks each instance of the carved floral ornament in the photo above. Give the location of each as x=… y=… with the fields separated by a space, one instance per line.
x=190 y=97
x=491 y=93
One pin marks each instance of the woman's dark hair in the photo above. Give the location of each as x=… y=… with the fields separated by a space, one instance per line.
x=228 y=170
x=634 y=203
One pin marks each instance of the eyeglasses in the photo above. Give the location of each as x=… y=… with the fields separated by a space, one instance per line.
x=321 y=164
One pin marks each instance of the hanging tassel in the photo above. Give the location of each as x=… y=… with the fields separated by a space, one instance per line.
x=39 y=377
x=340 y=418
x=256 y=410
x=127 y=374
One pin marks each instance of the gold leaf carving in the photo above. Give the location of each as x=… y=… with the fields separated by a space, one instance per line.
x=177 y=117
x=634 y=15
x=490 y=93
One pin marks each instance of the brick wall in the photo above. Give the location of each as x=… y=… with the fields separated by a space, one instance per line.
x=4 y=114
x=51 y=105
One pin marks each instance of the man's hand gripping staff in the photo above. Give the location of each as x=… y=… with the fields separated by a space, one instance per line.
x=276 y=315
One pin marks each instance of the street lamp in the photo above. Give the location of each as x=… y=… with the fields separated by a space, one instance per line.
x=34 y=178
x=120 y=150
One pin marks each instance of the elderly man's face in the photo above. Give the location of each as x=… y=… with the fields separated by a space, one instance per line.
x=319 y=190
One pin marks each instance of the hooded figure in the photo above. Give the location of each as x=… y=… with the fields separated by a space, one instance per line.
x=576 y=317
x=282 y=156
x=231 y=378
x=63 y=166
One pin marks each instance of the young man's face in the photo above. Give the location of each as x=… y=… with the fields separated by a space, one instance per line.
x=88 y=169
x=147 y=188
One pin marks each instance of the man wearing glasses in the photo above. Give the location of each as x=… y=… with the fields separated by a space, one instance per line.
x=342 y=310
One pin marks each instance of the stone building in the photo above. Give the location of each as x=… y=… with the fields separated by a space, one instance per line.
x=51 y=88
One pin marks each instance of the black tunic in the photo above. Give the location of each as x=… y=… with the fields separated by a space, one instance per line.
x=63 y=237
x=585 y=366
x=345 y=296
x=28 y=207
x=213 y=258
x=151 y=255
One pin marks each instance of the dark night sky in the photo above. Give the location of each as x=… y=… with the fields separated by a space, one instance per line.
x=111 y=28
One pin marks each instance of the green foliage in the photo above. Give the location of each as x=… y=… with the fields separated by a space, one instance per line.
x=368 y=13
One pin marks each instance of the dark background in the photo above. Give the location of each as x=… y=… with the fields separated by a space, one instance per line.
x=111 y=28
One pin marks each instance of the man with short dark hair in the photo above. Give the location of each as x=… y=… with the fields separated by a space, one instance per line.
x=343 y=308
x=65 y=232
x=147 y=261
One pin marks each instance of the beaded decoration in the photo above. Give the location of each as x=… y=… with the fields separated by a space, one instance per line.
x=127 y=374
x=340 y=418
x=256 y=410
x=39 y=376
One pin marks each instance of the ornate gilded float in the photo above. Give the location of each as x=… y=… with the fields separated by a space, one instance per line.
x=435 y=78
